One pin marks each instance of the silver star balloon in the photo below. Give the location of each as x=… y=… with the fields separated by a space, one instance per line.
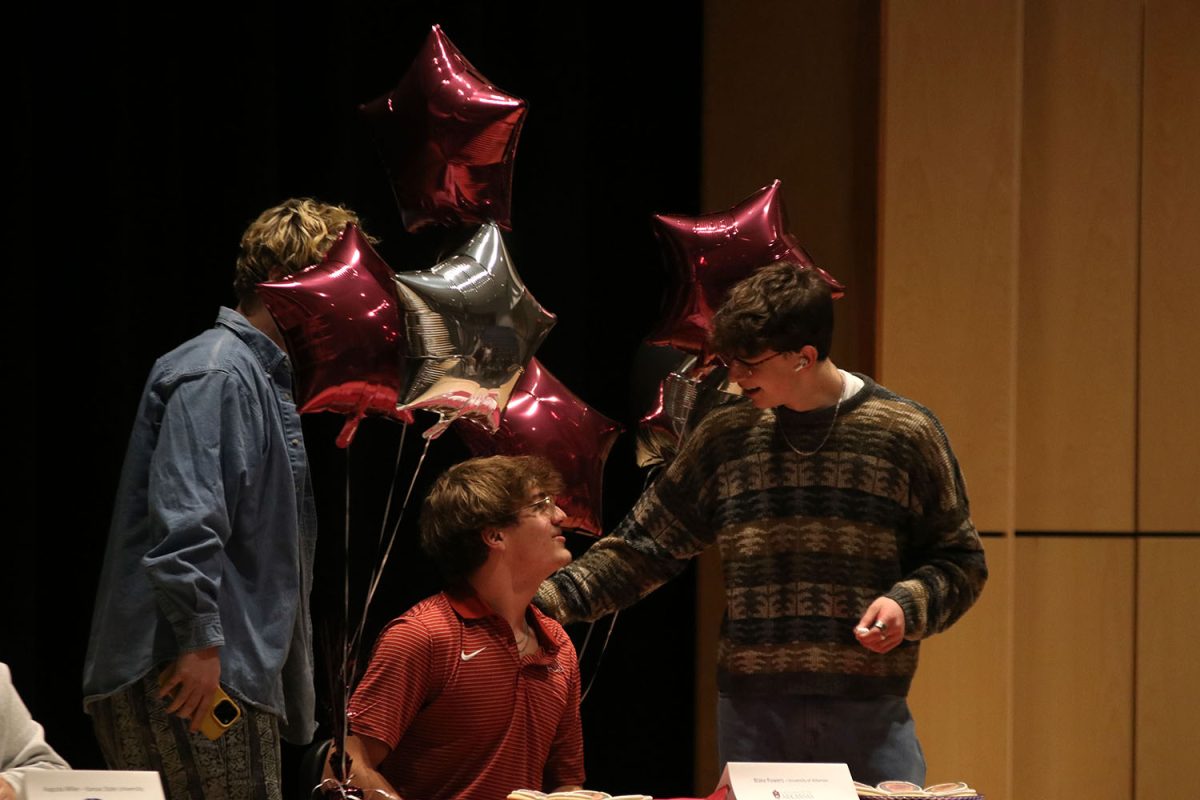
x=472 y=327
x=688 y=394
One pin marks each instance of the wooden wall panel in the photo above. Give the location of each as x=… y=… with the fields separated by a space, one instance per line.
x=1039 y=187
x=791 y=92
x=1168 y=666
x=1078 y=275
x=1073 y=668
x=1169 y=341
x=960 y=698
x=947 y=241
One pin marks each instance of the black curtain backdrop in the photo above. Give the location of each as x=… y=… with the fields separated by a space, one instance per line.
x=150 y=137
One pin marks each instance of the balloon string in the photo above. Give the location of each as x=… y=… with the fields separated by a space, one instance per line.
x=583 y=648
x=330 y=786
x=387 y=509
x=350 y=645
x=603 y=649
x=378 y=573
x=345 y=676
x=612 y=624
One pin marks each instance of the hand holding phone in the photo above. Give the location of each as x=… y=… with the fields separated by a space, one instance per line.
x=192 y=683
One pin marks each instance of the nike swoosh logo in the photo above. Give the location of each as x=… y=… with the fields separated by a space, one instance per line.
x=465 y=656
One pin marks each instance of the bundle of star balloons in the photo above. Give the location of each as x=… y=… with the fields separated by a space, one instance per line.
x=458 y=339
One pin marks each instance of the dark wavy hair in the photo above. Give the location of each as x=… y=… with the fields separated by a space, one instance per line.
x=781 y=307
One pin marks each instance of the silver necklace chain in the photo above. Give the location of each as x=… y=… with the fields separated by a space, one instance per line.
x=836 y=407
x=523 y=638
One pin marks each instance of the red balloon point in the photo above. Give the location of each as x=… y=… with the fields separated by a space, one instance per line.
x=710 y=253
x=545 y=418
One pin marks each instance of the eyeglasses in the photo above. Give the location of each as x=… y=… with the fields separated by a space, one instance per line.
x=742 y=365
x=545 y=505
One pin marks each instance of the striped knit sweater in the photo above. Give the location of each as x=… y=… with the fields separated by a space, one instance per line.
x=806 y=542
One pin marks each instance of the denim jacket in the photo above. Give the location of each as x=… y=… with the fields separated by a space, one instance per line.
x=214 y=529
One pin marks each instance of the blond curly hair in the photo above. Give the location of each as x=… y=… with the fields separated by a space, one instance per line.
x=286 y=239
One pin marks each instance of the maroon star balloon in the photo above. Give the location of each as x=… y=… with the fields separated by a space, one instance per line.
x=448 y=138
x=343 y=331
x=710 y=253
x=544 y=418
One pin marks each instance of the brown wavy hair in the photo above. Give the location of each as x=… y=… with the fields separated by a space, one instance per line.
x=475 y=495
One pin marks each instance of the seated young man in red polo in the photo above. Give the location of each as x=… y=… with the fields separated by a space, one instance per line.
x=474 y=692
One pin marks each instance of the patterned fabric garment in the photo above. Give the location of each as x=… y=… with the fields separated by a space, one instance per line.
x=136 y=733
x=807 y=542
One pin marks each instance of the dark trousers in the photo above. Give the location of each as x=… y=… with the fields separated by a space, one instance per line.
x=136 y=733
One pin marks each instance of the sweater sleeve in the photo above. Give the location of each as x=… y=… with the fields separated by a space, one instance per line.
x=667 y=527
x=944 y=565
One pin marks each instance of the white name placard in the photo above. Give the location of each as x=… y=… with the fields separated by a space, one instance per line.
x=92 y=784
x=761 y=780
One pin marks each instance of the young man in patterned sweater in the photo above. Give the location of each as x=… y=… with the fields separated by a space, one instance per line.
x=844 y=533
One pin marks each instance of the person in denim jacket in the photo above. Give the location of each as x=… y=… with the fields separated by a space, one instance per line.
x=208 y=568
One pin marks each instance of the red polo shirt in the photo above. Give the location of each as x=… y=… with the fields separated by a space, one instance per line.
x=464 y=715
